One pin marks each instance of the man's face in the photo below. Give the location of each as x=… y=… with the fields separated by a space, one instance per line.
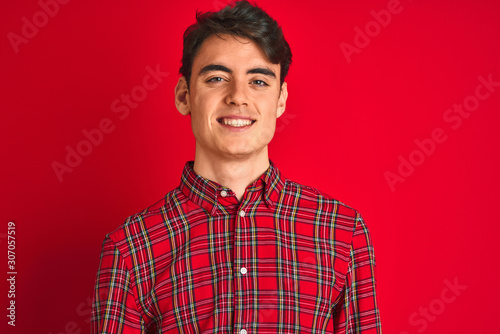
x=234 y=98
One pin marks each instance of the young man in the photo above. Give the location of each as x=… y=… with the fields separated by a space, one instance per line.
x=237 y=247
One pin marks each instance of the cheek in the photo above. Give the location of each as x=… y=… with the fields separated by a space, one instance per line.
x=200 y=124
x=270 y=114
x=266 y=134
x=268 y=126
x=202 y=112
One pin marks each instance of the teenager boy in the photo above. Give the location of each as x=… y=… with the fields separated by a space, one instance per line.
x=237 y=247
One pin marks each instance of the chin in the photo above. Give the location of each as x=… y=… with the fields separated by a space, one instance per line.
x=238 y=151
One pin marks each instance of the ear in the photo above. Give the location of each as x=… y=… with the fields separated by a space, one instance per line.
x=282 y=100
x=182 y=97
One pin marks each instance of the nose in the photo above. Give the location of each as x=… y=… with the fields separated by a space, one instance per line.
x=237 y=94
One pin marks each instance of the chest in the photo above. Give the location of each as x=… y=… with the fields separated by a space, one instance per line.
x=259 y=271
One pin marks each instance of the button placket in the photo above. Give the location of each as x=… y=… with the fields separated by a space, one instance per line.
x=242 y=309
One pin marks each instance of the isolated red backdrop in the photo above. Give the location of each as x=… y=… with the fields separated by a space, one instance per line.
x=396 y=103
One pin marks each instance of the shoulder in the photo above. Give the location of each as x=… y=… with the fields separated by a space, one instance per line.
x=146 y=221
x=314 y=198
x=314 y=204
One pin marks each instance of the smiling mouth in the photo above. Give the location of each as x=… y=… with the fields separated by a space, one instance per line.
x=235 y=122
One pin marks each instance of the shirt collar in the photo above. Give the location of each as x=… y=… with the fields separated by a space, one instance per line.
x=205 y=193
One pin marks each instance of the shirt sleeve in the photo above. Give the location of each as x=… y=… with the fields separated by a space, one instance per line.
x=114 y=309
x=359 y=312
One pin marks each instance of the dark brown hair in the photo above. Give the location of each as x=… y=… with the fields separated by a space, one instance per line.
x=238 y=19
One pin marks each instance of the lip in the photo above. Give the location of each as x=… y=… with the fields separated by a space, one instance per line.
x=235 y=117
x=233 y=128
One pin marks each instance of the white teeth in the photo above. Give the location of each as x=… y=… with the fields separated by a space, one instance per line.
x=236 y=122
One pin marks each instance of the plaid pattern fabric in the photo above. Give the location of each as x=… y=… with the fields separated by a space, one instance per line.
x=287 y=259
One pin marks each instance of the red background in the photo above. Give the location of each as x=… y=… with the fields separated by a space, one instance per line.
x=346 y=125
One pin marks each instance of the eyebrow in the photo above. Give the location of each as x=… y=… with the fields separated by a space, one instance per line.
x=260 y=70
x=213 y=68
x=222 y=68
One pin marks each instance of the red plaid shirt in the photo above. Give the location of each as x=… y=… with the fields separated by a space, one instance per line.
x=286 y=259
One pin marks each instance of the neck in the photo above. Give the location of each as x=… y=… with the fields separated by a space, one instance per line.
x=233 y=173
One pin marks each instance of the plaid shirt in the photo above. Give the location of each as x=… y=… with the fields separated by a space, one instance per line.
x=286 y=259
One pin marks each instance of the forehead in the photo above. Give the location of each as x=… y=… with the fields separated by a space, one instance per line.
x=229 y=50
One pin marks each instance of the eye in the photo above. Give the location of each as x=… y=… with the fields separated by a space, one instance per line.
x=260 y=83
x=215 y=79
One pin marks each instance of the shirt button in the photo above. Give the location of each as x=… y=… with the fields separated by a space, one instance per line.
x=243 y=270
x=242 y=213
x=223 y=193
x=243 y=331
